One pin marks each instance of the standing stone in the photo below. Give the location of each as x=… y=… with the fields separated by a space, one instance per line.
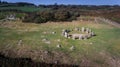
x=90 y=30
x=92 y=33
x=83 y=29
x=87 y=30
x=63 y=32
x=66 y=34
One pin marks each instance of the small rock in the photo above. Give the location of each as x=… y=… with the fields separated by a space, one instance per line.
x=53 y=32
x=91 y=43
x=44 y=32
x=48 y=42
x=72 y=48
x=20 y=42
x=58 y=46
x=69 y=37
x=46 y=52
x=44 y=39
x=56 y=62
x=58 y=40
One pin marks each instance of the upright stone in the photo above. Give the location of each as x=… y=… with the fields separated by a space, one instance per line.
x=87 y=30
x=63 y=32
x=66 y=34
x=92 y=33
x=83 y=29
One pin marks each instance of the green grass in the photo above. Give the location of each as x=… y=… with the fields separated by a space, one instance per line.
x=107 y=39
x=23 y=8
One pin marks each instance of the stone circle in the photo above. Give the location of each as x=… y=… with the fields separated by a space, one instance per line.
x=86 y=33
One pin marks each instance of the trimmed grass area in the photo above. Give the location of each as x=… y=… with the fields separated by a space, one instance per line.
x=107 y=39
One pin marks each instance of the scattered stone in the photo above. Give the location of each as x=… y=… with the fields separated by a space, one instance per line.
x=72 y=48
x=91 y=43
x=53 y=32
x=58 y=46
x=47 y=42
x=44 y=40
x=69 y=37
x=19 y=42
x=44 y=32
x=58 y=40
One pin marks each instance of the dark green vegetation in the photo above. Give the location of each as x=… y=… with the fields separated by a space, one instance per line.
x=27 y=62
x=44 y=13
x=22 y=8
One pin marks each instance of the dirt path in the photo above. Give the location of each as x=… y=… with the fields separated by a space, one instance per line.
x=108 y=22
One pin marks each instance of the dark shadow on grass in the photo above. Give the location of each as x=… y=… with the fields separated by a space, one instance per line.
x=27 y=62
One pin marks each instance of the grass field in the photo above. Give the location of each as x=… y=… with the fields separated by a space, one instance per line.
x=101 y=50
x=23 y=8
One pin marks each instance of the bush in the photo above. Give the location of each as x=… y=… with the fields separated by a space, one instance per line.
x=62 y=15
x=40 y=20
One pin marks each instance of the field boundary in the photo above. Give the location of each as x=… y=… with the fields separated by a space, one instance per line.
x=113 y=23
